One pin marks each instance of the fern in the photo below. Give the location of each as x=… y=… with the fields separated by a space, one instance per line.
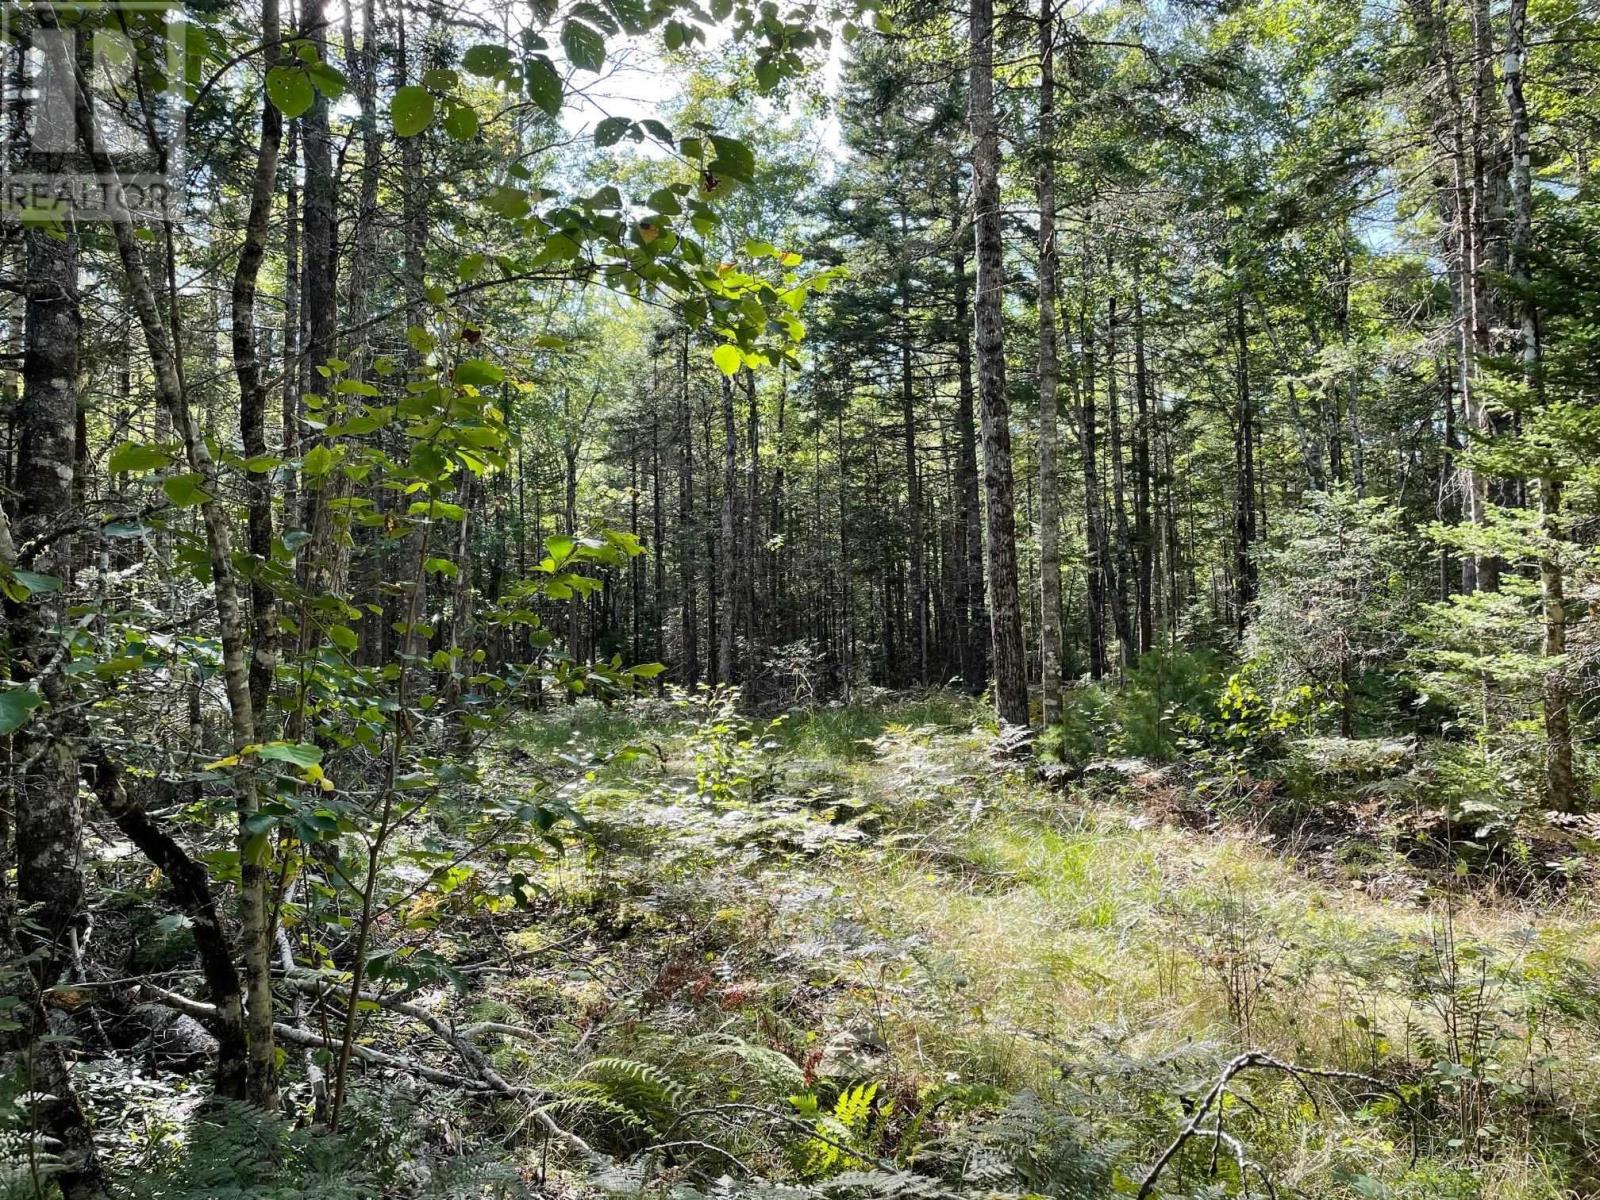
x=621 y=1096
x=772 y=1067
x=236 y=1150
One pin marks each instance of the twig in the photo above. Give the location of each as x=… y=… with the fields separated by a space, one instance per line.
x=1251 y=1058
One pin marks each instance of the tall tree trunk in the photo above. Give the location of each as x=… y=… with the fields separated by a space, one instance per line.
x=247 y=368
x=257 y=931
x=1122 y=557
x=1049 y=517
x=319 y=283
x=1244 y=507
x=1143 y=538
x=908 y=435
x=1010 y=664
x=232 y=623
x=750 y=547
x=1561 y=785
x=43 y=797
x=688 y=576
x=727 y=548
x=289 y=393
x=413 y=593
x=975 y=621
x=1095 y=550
x=658 y=545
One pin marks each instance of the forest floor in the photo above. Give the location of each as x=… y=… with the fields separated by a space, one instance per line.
x=860 y=924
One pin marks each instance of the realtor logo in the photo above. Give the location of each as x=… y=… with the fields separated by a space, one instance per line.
x=93 y=104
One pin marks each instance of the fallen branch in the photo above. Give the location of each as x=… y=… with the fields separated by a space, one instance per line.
x=725 y=1111
x=487 y=1081
x=1251 y=1058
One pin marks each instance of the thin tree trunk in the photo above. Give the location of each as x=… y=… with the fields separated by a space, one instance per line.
x=253 y=393
x=1010 y=664
x=1244 y=526
x=289 y=395
x=1095 y=550
x=688 y=576
x=1049 y=517
x=1143 y=537
x=231 y=618
x=1122 y=557
x=908 y=434
x=727 y=623
x=975 y=621
x=750 y=547
x=1561 y=785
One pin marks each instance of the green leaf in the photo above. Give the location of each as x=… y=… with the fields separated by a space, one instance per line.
x=486 y=60
x=301 y=754
x=728 y=359
x=355 y=387
x=584 y=46
x=441 y=509
x=734 y=159
x=318 y=462
x=665 y=202
x=184 y=490
x=290 y=90
x=611 y=131
x=343 y=637
x=420 y=340
x=15 y=705
x=134 y=457
x=327 y=80
x=508 y=202
x=37 y=584
x=478 y=373
x=544 y=85
x=461 y=122
x=411 y=110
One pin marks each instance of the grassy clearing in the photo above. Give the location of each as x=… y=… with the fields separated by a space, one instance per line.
x=851 y=955
x=892 y=908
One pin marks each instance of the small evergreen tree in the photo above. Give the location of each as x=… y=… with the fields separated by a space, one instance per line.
x=1336 y=595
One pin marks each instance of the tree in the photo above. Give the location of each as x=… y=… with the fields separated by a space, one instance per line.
x=1005 y=606
x=1337 y=593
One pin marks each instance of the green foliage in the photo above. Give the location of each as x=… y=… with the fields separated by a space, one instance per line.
x=735 y=760
x=1338 y=590
x=1146 y=716
x=236 y=1150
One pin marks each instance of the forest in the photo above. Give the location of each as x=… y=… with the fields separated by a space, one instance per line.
x=801 y=600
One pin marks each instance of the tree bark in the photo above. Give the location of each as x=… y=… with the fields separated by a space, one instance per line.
x=687 y=573
x=253 y=387
x=1095 y=549
x=974 y=611
x=1244 y=506
x=43 y=796
x=1049 y=517
x=1143 y=536
x=727 y=548
x=232 y=623
x=1121 y=556
x=1561 y=784
x=1010 y=667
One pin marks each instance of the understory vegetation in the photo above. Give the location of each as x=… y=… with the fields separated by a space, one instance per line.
x=853 y=954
